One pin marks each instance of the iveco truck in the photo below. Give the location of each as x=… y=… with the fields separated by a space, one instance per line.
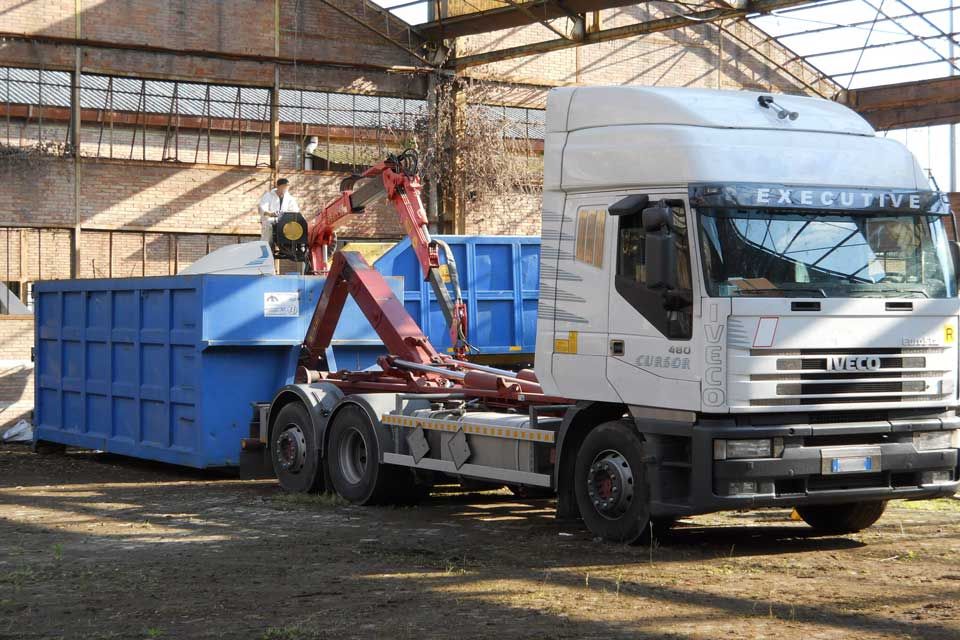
x=745 y=301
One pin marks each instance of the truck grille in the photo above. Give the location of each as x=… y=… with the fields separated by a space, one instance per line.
x=825 y=376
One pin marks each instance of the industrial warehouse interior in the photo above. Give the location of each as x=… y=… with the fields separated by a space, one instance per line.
x=479 y=319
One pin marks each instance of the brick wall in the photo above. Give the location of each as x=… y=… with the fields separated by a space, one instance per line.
x=16 y=370
x=513 y=214
x=682 y=57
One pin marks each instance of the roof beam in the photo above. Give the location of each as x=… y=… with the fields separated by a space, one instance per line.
x=910 y=104
x=514 y=14
x=693 y=18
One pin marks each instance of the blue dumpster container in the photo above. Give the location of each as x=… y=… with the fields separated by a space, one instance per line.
x=500 y=279
x=166 y=368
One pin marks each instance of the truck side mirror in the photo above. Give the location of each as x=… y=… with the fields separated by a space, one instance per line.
x=660 y=250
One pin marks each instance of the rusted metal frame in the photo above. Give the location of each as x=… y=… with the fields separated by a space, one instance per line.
x=110 y=86
x=226 y=158
x=379 y=133
x=202 y=53
x=174 y=107
x=143 y=138
x=385 y=36
x=628 y=31
x=933 y=25
x=880 y=11
x=40 y=106
x=8 y=105
x=239 y=126
x=353 y=125
x=21 y=259
x=76 y=134
x=894 y=67
x=880 y=45
x=522 y=8
x=778 y=65
x=7 y=256
x=176 y=131
x=263 y=120
x=804 y=8
x=100 y=120
x=834 y=27
x=133 y=138
x=328 y=131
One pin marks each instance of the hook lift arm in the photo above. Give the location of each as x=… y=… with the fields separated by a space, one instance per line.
x=396 y=180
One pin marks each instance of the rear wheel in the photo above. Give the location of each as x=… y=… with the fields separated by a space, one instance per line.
x=842 y=518
x=353 y=459
x=294 y=451
x=610 y=483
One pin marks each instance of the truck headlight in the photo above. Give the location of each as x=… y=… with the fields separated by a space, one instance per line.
x=752 y=448
x=927 y=440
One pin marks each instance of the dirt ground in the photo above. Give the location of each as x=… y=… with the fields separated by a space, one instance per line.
x=98 y=546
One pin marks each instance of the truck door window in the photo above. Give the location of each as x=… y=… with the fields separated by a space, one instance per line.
x=590 y=224
x=669 y=312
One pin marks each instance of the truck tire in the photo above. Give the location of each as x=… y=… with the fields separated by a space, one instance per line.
x=294 y=451
x=842 y=518
x=610 y=483
x=353 y=460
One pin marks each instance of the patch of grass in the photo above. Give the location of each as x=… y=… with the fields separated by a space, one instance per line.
x=310 y=500
x=17 y=577
x=940 y=504
x=291 y=632
x=58 y=552
x=153 y=632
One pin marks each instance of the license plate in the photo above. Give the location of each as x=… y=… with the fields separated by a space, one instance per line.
x=850 y=460
x=850 y=465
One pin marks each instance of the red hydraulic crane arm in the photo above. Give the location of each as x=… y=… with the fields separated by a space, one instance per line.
x=396 y=180
x=350 y=274
x=413 y=363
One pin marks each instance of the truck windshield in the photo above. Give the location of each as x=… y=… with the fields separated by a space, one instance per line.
x=754 y=252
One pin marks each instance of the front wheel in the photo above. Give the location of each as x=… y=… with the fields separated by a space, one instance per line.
x=610 y=483
x=842 y=518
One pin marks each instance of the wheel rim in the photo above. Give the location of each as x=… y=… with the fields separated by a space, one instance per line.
x=291 y=448
x=352 y=455
x=610 y=484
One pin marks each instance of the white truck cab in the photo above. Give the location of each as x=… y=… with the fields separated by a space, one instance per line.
x=763 y=282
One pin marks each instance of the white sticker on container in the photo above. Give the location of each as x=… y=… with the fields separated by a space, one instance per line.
x=281 y=304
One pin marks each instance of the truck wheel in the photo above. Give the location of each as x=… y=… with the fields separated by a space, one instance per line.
x=841 y=518
x=294 y=451
x=353 y=458
x=610 y=483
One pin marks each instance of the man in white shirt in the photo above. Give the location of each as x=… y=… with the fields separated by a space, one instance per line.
x=272 y=204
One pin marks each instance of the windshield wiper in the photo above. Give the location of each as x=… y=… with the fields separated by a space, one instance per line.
x=772 y=291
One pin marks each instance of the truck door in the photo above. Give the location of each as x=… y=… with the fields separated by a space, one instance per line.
x=580 y=296
x=651 y=358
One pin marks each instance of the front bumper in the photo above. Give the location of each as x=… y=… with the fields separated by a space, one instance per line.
x=796 y=476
